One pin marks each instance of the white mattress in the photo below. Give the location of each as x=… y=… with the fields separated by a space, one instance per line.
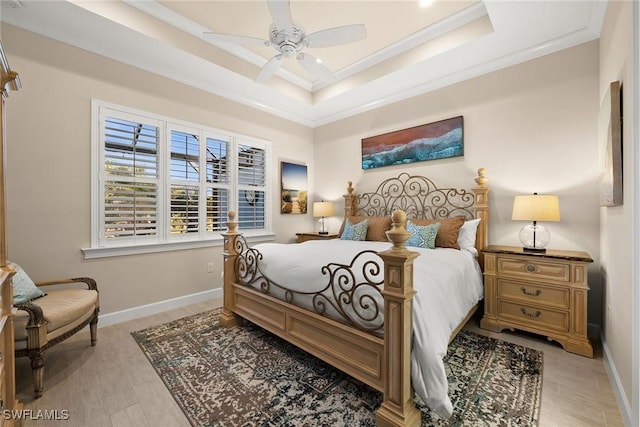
x=448 y=283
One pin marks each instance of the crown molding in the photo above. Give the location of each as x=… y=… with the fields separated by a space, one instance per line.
x=64 y=21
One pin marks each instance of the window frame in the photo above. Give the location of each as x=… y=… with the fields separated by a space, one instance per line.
x=101 y=246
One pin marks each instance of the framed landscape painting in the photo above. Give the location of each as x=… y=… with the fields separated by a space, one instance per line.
x=293 y=188
x=437 y=140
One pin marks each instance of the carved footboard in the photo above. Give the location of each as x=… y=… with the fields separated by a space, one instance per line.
x=381 y=362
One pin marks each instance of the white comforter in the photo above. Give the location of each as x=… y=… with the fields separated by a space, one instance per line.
x=448 y=283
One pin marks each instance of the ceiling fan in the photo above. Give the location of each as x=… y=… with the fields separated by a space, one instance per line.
x=289 y=39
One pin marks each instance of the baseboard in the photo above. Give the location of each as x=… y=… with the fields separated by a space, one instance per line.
x=621 y=397
x=156 y=307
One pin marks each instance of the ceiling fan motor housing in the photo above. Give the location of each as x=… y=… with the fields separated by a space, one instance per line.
x=289 y=41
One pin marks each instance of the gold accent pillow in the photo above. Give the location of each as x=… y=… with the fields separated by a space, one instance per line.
x=449 y=228
x=376 y=229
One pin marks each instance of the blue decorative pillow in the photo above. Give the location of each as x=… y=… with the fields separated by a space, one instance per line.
x=423 y=236
x=23 y=287
x=355 y=231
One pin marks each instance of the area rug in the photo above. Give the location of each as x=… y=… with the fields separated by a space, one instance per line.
x=245 y=376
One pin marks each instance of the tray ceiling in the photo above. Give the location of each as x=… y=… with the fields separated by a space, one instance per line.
x=409 y=49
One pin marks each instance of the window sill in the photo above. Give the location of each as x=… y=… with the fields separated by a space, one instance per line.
x=114 y=251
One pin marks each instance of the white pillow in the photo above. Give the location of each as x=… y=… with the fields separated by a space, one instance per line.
x=467 y=236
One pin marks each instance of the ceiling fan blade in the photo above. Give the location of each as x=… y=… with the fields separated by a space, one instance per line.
x=269 y=69
x=280 y=13
x=337 y=36
x=316 y=68
x=228 y=38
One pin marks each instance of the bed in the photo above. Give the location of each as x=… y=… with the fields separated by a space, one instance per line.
x=360 y=315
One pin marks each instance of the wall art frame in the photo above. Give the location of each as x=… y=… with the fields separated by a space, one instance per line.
x=293 y=188
x=431 y=141
x=610 y=146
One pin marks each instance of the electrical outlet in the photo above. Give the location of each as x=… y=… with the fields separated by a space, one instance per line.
x=210 y=267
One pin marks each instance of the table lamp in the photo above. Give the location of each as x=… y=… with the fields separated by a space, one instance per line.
x=535 y=207
x=322 y=209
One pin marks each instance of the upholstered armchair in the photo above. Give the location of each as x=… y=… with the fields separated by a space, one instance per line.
x=52 y=317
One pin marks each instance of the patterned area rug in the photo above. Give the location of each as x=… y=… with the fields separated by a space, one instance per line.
x=249 y=377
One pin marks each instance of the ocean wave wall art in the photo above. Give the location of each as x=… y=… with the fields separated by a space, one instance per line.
x=432 y=141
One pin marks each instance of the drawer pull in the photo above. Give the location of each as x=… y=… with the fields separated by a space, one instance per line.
x=531 y=294
x=531 y=268
x=532 y=315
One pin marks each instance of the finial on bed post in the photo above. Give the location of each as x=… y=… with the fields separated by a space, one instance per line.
x=398 y=235
x=232 y=224
x=349 y=201
x=481 y=179
x=481 y=210
x=227 y=318
x=397 y=408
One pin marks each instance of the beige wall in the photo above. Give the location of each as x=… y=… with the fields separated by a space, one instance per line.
x=616 y=241
x=532 y=126
x=49 y=149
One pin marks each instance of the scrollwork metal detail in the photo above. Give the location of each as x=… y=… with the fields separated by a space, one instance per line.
x=418 y=196
x=356 y=297
x=352 y=293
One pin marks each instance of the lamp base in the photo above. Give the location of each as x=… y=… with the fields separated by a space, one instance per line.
x=538 y=250
x=323 y=232
x=534 y=238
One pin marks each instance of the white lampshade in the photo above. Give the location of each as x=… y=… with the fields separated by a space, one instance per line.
x=321 y=209
x=535 y=207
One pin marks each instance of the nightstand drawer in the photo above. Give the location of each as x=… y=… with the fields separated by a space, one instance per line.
x=528 y=292
x=534 y=268
x=534 y=316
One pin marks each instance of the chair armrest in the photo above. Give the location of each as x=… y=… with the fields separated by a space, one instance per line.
x=91 y=284
x=36 y=317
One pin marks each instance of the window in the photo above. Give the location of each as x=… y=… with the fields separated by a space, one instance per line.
x=159 y=180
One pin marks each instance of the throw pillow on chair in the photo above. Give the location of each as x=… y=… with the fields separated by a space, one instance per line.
x=45 y=319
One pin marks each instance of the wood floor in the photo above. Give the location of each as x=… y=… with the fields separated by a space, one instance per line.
x=113 y=384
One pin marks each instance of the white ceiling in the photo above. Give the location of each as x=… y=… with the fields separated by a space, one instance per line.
x=409 y=50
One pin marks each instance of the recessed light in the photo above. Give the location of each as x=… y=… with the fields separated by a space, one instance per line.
x=425 y=3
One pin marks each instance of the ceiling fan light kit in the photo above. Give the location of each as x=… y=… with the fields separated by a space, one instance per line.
x=288 y=41
x=290 y=38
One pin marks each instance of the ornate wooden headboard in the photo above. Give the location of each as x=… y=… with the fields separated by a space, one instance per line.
x=419 y=197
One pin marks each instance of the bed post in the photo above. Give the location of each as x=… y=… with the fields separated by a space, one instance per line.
x=397 y=408
x=227 y=318
x=481 y=210
x=349 y=201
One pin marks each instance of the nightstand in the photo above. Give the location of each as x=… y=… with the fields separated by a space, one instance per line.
x=540 y=292
x=303 y=237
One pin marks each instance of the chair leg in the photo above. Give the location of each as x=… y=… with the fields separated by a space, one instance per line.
x=37 y=366
x=93 y=328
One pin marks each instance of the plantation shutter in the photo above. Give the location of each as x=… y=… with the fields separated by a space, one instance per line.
x=217 y=184
x=160 y=181
x=131 y=179
x=251 y=186
x=185 y=185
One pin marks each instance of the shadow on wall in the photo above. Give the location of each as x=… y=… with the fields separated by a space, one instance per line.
x=601 y=292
